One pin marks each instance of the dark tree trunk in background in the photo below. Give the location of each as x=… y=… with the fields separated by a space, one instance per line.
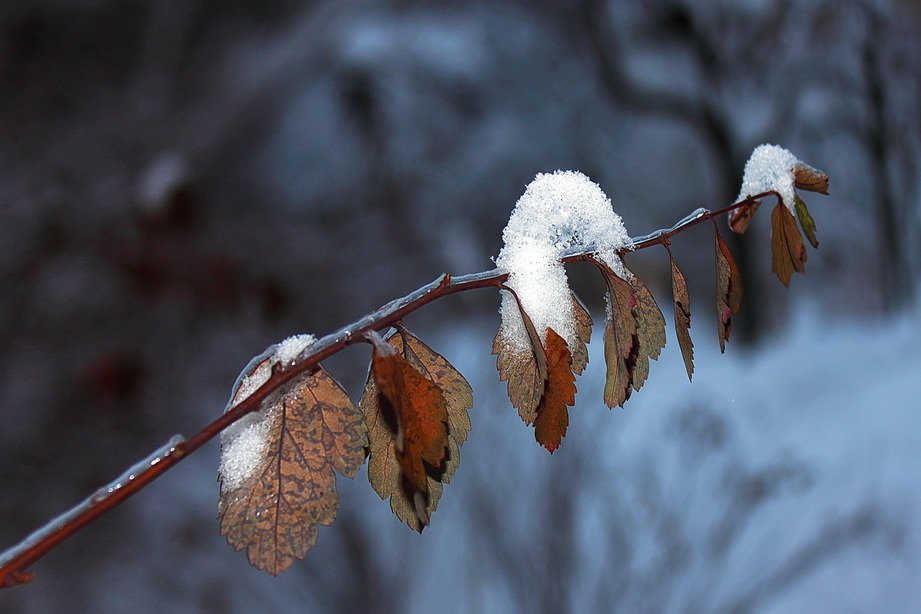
x=896 y=283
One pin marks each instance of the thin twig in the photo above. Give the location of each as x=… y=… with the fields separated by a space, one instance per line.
x=15 y=561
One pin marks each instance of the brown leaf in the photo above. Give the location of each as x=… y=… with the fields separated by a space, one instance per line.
x=314 y=428
x=559 y=393
x=621 y=343
x=650 y=331
x=787 y=247
x=540 y=378
x=406 y=502
x=525 y=370
x=807 y=178
x=583 y=335
x=728 y=290
x=457 y=392
x=741 y=218
x=682 y=317
x=421 y=413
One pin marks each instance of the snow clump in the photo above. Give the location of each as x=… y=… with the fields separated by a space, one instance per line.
x=288 y=350
x=245 y=442
x=558 y=211
x=770 y=167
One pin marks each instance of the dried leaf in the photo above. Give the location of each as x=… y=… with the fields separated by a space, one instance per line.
x=787 y=247
x=583 y=334
x=621 y=343
x=421 y=413
x=540 y=378
x=559 y=393
x=807 y=178
x=525 y=370
x=650 y=331
x=741 y=218
x=728 y=290
x=315 y=428
x=457 y=392
x=683 y=317
x=383 y=466
x=805 y=220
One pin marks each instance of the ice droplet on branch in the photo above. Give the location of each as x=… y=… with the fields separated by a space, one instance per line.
x=557 y=212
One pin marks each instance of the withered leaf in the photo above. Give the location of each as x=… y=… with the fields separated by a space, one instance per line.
x=741 y=218
x=540 y=378
x=787 y=248
x=383 y=466
x=805 y=220
x=420 y=410
x=314 y=429
x=525 y=370
x=621 y=342
x=583 y=336
x=559 y=394
x=650 y=331
x=728 y=290
x=807 y=178
x=683 y=317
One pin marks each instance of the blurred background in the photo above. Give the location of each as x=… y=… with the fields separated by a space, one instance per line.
x=183 y=183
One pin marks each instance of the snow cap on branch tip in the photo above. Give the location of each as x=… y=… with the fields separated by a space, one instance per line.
x=557 y=212
x=770 y=167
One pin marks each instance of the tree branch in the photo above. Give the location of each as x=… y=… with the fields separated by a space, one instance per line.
x=15 y=561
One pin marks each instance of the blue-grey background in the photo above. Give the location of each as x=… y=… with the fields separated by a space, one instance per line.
x=183 y=182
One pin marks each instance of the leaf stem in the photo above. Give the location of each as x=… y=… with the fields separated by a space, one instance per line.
x=15 y=561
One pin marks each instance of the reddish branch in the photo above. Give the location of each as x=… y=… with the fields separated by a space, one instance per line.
x=15 y=561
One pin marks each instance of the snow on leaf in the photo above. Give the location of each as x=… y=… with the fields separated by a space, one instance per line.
x=383 y=466
x=806 y=221
x=787 y=247
x=682 y=317
x=770 y=168
x=525 y=369
x=243 y=443
x=728 y=290
x=311 y=428
x=541 y=379
x=557 y=212
x=559 y=394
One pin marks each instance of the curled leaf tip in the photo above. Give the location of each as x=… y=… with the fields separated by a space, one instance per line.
x=807 y=178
